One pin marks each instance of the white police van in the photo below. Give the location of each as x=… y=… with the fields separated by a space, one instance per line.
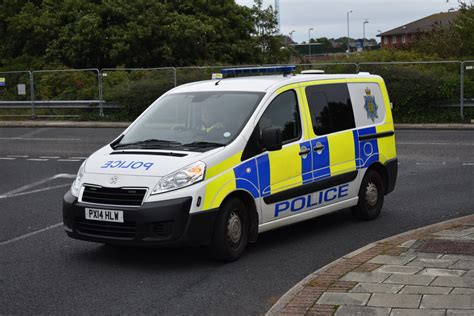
x=217 y=162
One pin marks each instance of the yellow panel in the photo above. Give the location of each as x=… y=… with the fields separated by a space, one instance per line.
x=224 y=165
x=386 y=145
x=285 y=168
x=341 y=152
x=218 y=189
x=386 y=101
x=288 y=87
x=305 y=116
x=312 y=83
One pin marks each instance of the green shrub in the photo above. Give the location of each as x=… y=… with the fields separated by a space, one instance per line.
x=416 y=90
x=134 y=97
x=81 y=85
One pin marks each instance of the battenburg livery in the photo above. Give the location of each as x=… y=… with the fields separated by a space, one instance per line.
x=218 y=162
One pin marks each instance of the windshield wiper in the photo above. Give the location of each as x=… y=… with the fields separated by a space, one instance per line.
x=150 y=143
x=203 y=144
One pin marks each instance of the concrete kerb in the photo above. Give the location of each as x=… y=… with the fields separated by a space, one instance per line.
x=288 y=296
x=76 y=124
x=434 y=126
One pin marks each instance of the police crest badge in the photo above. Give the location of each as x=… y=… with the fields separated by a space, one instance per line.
x=370 y=105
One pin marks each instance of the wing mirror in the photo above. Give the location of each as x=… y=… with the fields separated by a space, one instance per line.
x=271 y=138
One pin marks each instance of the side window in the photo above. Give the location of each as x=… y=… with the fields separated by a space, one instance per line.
x=283 y=112
x=330 y=107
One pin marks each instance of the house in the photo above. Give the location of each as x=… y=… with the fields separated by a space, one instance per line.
x=408 y=33
x=285 y=40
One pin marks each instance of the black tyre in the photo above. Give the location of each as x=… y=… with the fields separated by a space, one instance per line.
x=231 y=231
x=371 y=195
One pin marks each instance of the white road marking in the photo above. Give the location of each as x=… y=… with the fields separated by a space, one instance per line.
x=18 y=156
x=50 y=157
x=81 y=158
x=31 y=185
x=436 y=144
x=468 y=163
x=39 y=190
x=42 y=139
x=68 y=160
x=6 y=242
x=34 y=132
x=7 y=158
x=431 y=163
x=37 y=159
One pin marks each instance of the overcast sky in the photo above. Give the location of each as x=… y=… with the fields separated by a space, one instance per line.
x=328 y=17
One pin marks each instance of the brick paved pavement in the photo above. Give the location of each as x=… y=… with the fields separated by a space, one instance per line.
x=428 y=271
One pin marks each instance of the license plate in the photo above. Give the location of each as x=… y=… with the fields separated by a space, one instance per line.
x=104 y=215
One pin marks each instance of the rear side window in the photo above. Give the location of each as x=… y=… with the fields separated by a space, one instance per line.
x=330 y=107
x=368 y=103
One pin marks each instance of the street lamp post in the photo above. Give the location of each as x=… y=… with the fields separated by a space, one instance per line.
x=309 y=41
x=348 y=33
x=291 y=50
x=363 y=37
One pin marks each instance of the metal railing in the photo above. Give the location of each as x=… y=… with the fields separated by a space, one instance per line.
x=91 y=88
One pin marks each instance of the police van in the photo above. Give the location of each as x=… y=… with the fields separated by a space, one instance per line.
x=217 y=162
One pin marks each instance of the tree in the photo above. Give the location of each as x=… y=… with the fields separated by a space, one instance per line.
x=135 y=33
x=455 y=41
x=265 y=35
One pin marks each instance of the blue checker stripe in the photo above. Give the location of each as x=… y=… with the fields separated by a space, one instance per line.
x=321 y=161
x=368 y=149
x=306 y=164
x=247 y=180
x=358 y=159
x=264 y=174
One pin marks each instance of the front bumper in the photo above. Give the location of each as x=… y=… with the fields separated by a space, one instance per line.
x=163 y=223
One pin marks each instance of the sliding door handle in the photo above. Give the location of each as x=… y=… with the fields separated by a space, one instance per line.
x=304 y=151
x=319 y=147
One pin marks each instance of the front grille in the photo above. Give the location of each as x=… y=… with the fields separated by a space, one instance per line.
x=105 y=229
x=113 y=196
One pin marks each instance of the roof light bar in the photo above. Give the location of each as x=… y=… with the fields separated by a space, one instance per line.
x=258 y=70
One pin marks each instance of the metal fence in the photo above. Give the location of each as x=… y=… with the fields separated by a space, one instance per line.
x=104 y=89
x=467 y=84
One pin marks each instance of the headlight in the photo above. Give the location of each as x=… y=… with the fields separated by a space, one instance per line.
x=181 y=178
x=76 y=185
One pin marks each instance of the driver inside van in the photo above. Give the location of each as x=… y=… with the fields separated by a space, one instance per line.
x=210 y=121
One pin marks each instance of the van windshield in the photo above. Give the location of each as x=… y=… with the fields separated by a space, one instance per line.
x=195 y=121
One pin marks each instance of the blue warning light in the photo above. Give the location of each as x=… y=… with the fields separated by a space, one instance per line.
x=258 y=70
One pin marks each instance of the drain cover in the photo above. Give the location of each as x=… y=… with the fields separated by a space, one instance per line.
x=447 y=246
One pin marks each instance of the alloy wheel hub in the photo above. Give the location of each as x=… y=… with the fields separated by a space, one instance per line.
x=371 y=194
x=234 y=227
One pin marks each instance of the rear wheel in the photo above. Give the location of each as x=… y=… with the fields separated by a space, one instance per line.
x=231 y=231
x=371 y=196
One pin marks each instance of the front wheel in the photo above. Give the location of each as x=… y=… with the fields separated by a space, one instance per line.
x=371 y=195
x=231 y=231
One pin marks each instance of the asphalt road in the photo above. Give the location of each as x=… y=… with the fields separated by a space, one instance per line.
x=44 y=271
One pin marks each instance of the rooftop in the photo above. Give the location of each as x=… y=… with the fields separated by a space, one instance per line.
x=261 y=83
x=442 y=19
